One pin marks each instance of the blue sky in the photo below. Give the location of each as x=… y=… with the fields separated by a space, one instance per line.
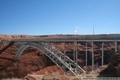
x=41 y=17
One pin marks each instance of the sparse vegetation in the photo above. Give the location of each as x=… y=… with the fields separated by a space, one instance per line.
x=11 y=79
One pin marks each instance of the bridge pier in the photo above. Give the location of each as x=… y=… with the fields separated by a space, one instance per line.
x=92 y=56
x=86 y=55
x=64 y=52
x=116 y=46
x=64 y=47
x=102 y=53
x=76 y=54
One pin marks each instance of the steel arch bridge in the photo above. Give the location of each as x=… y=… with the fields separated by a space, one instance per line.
x=59 y=58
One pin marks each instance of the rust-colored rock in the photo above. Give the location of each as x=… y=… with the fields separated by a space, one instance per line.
x=113 y=68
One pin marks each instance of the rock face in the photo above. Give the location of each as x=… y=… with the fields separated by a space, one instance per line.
x=31 y=61
x=34 y=61
x=113 y=69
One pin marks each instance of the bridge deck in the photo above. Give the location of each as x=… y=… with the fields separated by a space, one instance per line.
x=62 y=40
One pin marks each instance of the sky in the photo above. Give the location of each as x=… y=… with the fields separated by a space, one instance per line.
x=49 y=17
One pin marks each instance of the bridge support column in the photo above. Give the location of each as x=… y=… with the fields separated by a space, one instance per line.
x=76 y=54
x=64 y=53
x=74 y=59
x=64 y=47
x=50 y=45
x=115 y=46
x=92 y=55
x=102 y=53
x=86 y=56
x=56 y=45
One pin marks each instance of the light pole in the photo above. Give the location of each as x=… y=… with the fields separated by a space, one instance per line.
x=93 y=50
x=94 y=29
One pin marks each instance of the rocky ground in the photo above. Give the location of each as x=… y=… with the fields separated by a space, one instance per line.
x=36 y=63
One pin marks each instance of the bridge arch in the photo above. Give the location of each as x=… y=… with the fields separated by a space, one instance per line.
x=55 y=55
x=37 y=46
x=25 y=46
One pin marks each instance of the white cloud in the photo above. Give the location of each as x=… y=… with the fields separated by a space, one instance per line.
x=76 y=30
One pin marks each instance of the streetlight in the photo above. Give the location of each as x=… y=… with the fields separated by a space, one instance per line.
x=93 y=50
x=94 y=29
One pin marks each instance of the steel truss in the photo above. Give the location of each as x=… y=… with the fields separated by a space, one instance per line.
x=59 y=58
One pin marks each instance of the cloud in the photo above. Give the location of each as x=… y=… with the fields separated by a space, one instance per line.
x=75 y=31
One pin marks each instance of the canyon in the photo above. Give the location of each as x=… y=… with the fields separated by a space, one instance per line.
x=34 y=61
